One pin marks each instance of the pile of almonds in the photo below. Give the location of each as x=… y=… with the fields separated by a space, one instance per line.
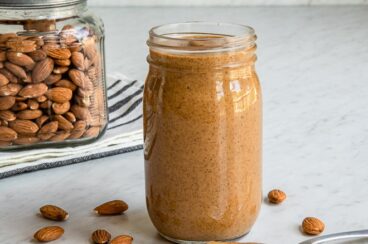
x=51 y=87
x=52 y=212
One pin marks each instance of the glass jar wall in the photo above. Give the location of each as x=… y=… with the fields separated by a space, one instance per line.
x=52 y=80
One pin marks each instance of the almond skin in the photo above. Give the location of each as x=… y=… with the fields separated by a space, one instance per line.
x=29 y=114
x=6 y=102
x=59 y=53
x=59 y=94
x=42 y=70
x=54 y=213
x=49 y=233
x=114 y=207
x=122 y=239
x=20 y=59
x=23 y=126
x=34 y=90
x=7 y=134
x=101 y=236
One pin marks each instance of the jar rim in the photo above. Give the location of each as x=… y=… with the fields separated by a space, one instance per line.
x=200 y=36
x=25 y=4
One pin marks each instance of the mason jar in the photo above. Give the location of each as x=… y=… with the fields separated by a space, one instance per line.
x=202 y=131
x=52 y=79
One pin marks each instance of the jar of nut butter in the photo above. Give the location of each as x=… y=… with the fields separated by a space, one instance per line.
x=52 y=80
x=202 y=131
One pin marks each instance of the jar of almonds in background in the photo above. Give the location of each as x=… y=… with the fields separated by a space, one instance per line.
x=52 y=80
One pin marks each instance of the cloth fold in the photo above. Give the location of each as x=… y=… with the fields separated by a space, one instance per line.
x=123 y=134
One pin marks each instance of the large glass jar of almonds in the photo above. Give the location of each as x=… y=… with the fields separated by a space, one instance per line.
x=52 y=81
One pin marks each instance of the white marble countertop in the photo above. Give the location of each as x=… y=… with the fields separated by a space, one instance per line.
x=313 y=64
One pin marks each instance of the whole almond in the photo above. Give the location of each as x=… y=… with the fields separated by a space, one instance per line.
x=81 y=112
x=12 y=78
x=7 y=115
x=34 y=90
x=90 y=48
x=84 y=93
x=42 y=70
x=60 y=70
x=16 y=70
x=76 y=134
x=7 y=134
x=46 y=105
x=112 y=208
x=59 y=94
x=41 y=120
x=66 y=84
x=27 y=140
x=10 y=89
x=59 y=53
x=19 y=106
x=20 y=59
x=23 y=126
x=3 y=80
x=101 y=236
x=29 y=114
x=312 y=226
x=60 y=136
x=54 y=213
x=276 y=196
x=50 y=127
x=2 y=56
x=62 y=62
x=33 y=104
x=53 y=78
x=83 y=101
x=79 y=78
x=38 y=55
x=122 y=239
x=41 y=99
x=6 y=102
x=49 y=233
x=61 y=108
x=64 y=124
x=23 y=46
x=70 y=116
x=80 y=125
x=78 y=60
x=92 y=132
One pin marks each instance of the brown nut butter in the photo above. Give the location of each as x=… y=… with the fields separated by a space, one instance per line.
x=202 y=131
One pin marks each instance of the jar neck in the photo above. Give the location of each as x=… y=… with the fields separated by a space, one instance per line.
x=39 y=13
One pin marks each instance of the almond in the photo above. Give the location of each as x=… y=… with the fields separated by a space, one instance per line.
x=16 y=70
x=19 y=106
x=89 y=48
x=62 y=62
x=41 y=120
x=42 y=70
x=92 y=132
x=112 y=208
x=28 y=140
x=7 y=134
x=38 y=55
x=59 y=53
x=3 y=80
x=101 y=236
x=83 y=101
x=23 y=46
x=9 y=76
x=84 y=93
x=61 y=108
x=6 y=102
x=33 y=104
x=20 y=59
x=23 y=126
x=46 y=105
x=66 y=84
x=53 y=78
x=312 y=226
x=59 y=94
x=60 y=70
x=10 y=89
x=49 y=233
x=50 y=127
x=54 y=213
x=276 y=196
x=7 y=115
x=64 y=124
x=35 y=90
x=29 y=114
x=76 y=134
x=41 y=99
x=61 y=136
x=81 y=112
x=122 y=239
x=79 y=78
x=78 y=60
x=70 y=116
x=2 y=56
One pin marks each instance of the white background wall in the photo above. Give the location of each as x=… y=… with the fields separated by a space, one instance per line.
x=221 y=2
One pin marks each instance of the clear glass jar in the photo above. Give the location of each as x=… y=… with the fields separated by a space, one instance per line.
x=52 y=79
x=202 y=131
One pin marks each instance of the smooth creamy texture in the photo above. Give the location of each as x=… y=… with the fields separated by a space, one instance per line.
x=203 y=133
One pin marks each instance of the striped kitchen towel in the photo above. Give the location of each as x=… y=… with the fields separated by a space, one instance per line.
x=123 y=134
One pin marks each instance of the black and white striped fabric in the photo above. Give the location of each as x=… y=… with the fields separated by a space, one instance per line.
x=124 y=134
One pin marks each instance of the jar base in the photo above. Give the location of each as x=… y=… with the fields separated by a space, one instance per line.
x=198 y=242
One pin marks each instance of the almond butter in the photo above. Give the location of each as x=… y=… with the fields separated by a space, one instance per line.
x=16 y=70
x=38 y=55
x=112 y=208
x=64 y=124
x=59 y=94
x=66 y=84
x=53 y=78
x=54 y=213
x=29 y=114
x=23 y=126
x=20 y=59
x=59 y=53
x=78 y=60
x=49 y=233
x=28 y=140
x=60 y=136
x=6 y=102
x=122 y=239
x=61 y=108
x=7 y=115
x=101 y=236
x=34 y=90
x=42 y=70
x=3 y=80
x=7 y=134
